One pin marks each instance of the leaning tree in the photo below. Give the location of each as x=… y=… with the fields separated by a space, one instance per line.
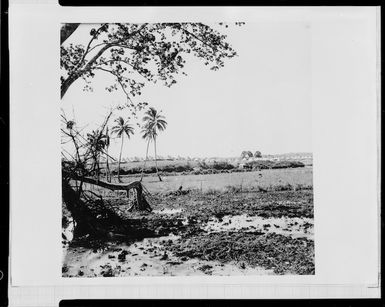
x=92 y=214
x=132 y=55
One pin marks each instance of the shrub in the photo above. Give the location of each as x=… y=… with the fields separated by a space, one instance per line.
x=286 y=187
x=233 y=189
x=258 y=165
x=211 y=191
x=288 y=164
x=203 y=165
x=300 y=187
x=222 y=166
x=268 y=164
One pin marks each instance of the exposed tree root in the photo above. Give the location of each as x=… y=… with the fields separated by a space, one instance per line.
x=90 y=213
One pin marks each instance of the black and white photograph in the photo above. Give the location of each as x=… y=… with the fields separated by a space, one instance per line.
x=203 y=153
x=186 y=149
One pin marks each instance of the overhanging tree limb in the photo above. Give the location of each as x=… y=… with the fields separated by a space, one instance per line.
x=158 y=52
x=81 y=71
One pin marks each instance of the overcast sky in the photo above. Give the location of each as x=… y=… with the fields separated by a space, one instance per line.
x=260 y=100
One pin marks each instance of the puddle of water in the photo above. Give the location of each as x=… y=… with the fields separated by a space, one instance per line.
x=149 y=257
x=146 y=258
x=294 y=227
x=168 y=211
x=68 y=231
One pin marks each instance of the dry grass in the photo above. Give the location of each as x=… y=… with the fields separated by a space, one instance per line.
x=267 y=179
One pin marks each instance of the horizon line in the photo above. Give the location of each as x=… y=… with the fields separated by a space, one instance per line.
x=217 y=157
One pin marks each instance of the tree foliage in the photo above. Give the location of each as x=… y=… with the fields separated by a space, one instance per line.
x=153 y=121
x=87 y=148
x=134 y=54
x=246 y=154
x=122 y=128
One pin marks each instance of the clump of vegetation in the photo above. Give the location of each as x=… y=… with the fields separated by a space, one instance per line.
x=282 y=187
x=282 y=254
x=285 y=187
x=300 y=187
x=176 y=168
x=232 y=189
x=272 y=188
x=212 y=192
x=167 y=169
x=222 y=166
x=203 y=165
x=203 y=168
x=268 y=164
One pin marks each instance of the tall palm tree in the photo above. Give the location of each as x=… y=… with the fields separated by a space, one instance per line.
x=153 y=122
x=122 y=128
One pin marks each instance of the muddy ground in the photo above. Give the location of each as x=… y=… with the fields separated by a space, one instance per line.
x=229 y=232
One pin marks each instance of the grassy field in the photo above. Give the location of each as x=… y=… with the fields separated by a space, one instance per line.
x=243 y=180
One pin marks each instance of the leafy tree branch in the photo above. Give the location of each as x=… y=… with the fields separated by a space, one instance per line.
x=155 y=52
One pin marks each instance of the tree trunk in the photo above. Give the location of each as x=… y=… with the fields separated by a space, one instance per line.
x=108 y=176
x=68 y=82
x=98 y=165
x=94 y=165
x=145 y=160
x=81 y=70
x=156 y=163
x=120 y=157
x=87 y=218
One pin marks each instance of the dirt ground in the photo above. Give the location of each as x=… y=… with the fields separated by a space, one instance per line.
x=216 y=230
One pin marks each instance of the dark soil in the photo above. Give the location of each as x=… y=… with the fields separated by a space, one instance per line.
x=281 y=253
x=197 y=206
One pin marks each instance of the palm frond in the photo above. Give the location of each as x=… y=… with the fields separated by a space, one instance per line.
x=122 y=127
x=153 y=122
x=120 y=121
x=128 y=130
